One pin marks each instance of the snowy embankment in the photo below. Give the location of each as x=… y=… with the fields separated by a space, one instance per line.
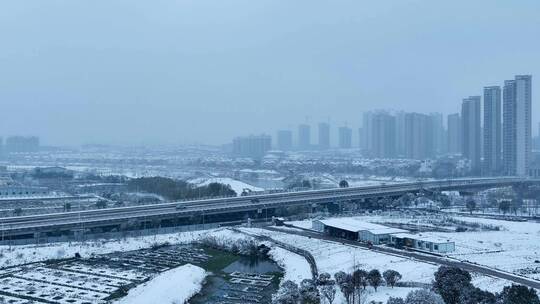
x=17 y=255
x=236 y=185
x=296 y=267
x=177 y=285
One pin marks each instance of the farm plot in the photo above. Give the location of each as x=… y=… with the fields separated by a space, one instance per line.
x=13 y=300
x=62 y=277
x=161 y=259
x=49 y=292
x=244 y=288
x=91 y=281
x=105 y=271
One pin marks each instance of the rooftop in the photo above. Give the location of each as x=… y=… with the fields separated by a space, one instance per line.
x=352 y=224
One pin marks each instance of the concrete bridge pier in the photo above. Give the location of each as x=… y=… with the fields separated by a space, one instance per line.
x=37 y=236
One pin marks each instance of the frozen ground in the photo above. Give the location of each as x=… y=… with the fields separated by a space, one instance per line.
x=174 y=286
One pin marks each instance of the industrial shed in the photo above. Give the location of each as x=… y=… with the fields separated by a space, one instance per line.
x=352 y=229
x=422 y=242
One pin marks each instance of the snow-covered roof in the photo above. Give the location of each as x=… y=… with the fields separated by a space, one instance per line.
x=422 y=237
x=351 y=224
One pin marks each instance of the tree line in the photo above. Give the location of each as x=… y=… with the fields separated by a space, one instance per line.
x=173 y=189
x=324 y=289
x=451 y=285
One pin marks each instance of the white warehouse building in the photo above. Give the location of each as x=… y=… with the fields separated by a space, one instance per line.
x=352 y=229
x=358 y=230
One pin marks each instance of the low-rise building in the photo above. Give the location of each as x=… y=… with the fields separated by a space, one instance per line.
x=353 y=229
x=376 y=234
x=422 y=242
x=16 y=191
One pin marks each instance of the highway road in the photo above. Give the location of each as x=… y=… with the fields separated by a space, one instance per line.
x=111 y=216
x=428 y=258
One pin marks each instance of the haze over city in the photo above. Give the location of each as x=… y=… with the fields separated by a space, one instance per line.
x=206 y=71
x=269 y=152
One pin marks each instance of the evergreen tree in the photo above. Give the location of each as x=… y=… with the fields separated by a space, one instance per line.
x=476 y=296
x=518 y=294
x=287 y=294
x=392 y=300
x=450 y=282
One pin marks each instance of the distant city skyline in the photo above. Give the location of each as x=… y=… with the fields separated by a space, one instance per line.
x=207 y=71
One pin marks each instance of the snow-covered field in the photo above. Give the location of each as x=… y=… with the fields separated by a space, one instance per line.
x=333 y=257
x=17 y=255
x=515 y=248
x=174 y=286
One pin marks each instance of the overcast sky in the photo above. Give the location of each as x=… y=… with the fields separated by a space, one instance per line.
x=152 y=72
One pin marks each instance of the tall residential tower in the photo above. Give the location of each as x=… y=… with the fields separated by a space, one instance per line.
x=304 y=137
x=345 y=138
x=517 y=97
x=471 y=132
x=324 y=136
x=454 y=133
x=492 y=131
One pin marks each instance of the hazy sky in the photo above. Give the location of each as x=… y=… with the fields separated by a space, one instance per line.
x=132 y=72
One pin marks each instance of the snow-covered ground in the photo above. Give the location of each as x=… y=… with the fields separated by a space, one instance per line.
x=333 y=257
x=296 y=267
x=236 y=185
x=16 y=255
x=515 y=248
x=383 y=293
x=174 y=286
